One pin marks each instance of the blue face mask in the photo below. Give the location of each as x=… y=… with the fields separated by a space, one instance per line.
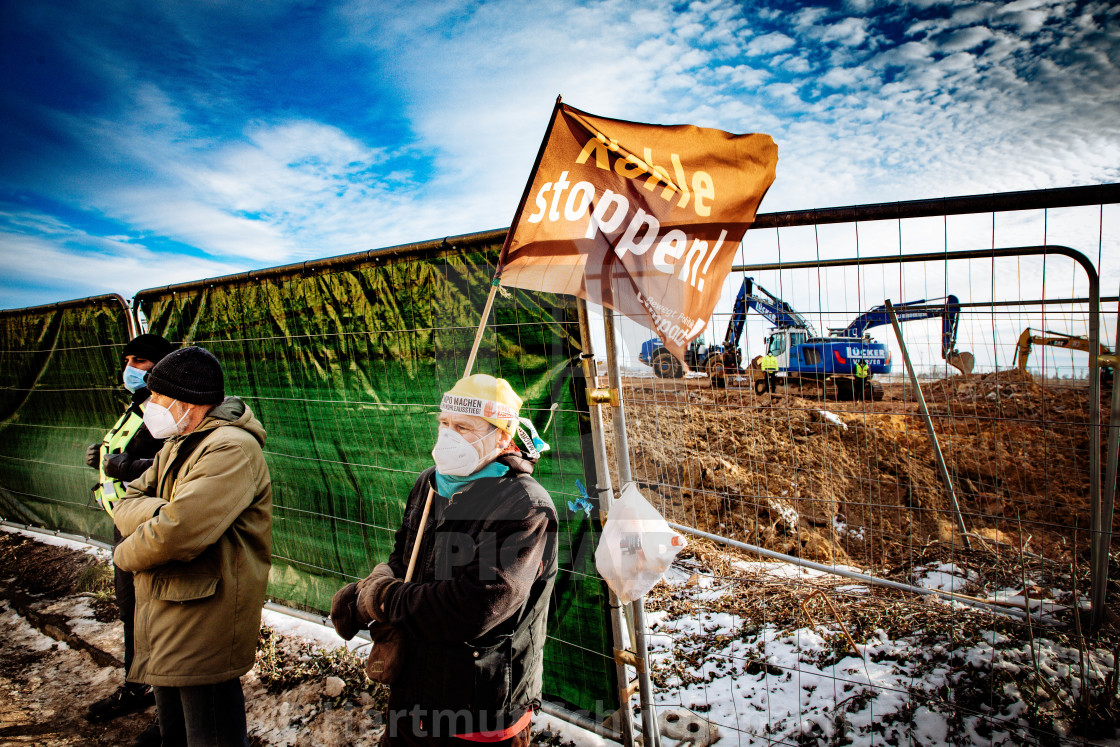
x=134 y=378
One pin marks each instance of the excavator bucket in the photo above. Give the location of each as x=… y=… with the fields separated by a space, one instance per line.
x=963 y=362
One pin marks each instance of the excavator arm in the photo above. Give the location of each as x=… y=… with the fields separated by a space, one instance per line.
x=1051 y=339
x=915 y=311
x=773 y=309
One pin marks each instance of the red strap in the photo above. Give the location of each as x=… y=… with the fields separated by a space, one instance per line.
x=499 y=736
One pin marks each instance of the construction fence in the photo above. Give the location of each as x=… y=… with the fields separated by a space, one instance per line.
x=842 y=584
x=344 y=363
x=924 y=566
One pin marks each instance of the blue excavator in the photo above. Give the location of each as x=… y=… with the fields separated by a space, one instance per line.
x=803 y=355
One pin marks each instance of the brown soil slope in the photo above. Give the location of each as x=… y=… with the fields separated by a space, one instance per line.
x=857 y=482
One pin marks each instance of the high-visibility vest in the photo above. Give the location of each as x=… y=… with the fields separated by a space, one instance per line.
x=110 y=489
x=861 y=370
x=769 y=363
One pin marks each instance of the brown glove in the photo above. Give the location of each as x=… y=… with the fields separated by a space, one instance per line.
x=93 y=452
x=386 y=657
x=344 y=612
x=372 y=590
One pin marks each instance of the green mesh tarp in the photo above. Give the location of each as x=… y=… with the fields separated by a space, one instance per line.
x=345 y=367
x=60 y=390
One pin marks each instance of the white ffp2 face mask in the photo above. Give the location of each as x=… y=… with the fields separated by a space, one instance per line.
x=455 y=455
x=161 y=423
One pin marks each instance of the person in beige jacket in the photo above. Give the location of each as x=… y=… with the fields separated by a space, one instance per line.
x=197 y=532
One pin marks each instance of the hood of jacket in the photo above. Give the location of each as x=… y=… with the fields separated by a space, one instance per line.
x=233 y=411
x=519 y=462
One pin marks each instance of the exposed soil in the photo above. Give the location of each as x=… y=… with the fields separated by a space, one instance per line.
x=60 y=649
x=857 y=482
x=48 y=685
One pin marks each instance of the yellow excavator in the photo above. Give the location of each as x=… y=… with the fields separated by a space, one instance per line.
x=1027 y=339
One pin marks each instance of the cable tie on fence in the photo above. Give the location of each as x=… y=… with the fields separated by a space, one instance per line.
x=583 y=503
x=551 y=412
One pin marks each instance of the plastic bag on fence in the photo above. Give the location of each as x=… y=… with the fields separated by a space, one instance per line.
x=636 y=547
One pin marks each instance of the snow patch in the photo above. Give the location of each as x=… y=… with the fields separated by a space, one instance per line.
x=944 y=577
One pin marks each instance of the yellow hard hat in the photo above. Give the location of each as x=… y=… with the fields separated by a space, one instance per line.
x=485 y=397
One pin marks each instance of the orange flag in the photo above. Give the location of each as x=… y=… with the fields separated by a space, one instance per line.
x=644 y=219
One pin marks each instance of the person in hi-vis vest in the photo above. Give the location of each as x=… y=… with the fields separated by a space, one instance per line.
x=862 y=372
x=123 y=455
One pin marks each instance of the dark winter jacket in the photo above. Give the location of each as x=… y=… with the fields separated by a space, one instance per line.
x=474 y=617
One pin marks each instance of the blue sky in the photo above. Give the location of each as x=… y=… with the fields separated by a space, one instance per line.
x=154 y=142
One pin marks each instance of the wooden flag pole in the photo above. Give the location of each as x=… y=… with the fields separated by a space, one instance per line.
x=485 y=318
x=419 y=534
x=494 y=284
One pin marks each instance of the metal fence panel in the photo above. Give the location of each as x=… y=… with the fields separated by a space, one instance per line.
x=829 y=595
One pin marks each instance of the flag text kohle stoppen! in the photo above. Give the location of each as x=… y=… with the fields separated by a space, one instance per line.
x=643 y=229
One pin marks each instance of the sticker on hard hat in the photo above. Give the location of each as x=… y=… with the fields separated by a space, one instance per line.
x=474 y=406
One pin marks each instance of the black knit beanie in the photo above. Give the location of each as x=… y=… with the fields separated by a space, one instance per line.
x=192 y=375
x=149 y=347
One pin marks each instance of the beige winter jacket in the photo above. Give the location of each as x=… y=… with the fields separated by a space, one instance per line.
x=198 y=536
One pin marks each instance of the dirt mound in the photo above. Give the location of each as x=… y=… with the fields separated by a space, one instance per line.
x=858 y=482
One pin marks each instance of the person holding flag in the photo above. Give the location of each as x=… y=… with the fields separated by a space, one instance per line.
x=641 y=219
x=462 y=601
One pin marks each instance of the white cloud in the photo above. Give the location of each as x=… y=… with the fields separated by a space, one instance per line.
x=844 y=77
x=770 y=43
x=966 y=104
x=743 y=76
x=908 y=54
x=64 y=262
x=274 y=195
x=792 y=64
x=850 y=31
x=1024 y=16
x=960 y=40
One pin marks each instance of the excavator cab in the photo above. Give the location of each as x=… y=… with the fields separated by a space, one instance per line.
x=699 y=350
x=777 y=344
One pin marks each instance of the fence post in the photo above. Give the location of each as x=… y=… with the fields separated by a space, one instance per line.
x=937 y=455
x=651 y=737
x=1100 y=531
x=603 y=491
x=1108 y=497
